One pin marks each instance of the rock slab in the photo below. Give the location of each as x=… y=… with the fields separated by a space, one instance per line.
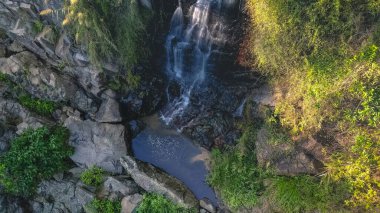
x=98 y=144
x=154 y=180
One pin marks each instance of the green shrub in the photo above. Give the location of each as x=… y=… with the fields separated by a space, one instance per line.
x=105 y=206
x=42 y=107
x=235 y=173
x=306 y=194
x=159 y=204
x=35 y=155
x=93 y=176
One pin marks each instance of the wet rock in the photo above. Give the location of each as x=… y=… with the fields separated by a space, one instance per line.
x=114 y=189
x=136 y=127
x=98 y=144
x=154 y=180
x=129 y=203
x=208 y=128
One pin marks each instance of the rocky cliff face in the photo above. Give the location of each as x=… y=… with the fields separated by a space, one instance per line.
x=38 y=56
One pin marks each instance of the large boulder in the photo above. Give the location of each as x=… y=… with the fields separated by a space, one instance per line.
x=154 y=180
x=100 y=144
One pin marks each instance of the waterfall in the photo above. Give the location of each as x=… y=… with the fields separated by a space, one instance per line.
x=188 y=49
x=239 y=111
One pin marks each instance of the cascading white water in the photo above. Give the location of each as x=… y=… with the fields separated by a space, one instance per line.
x=188 y=51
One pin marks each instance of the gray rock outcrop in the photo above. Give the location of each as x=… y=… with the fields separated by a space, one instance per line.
x=98 y=144
x=115 y=189
x=61 y=196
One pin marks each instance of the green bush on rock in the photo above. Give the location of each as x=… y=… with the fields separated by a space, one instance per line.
x=93 y=176
x=104 y=206
x=35 y=155
x=159 y=204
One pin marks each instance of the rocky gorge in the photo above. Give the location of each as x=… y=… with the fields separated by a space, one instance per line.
x=40 y=58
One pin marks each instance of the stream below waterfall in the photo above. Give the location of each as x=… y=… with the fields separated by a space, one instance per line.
x=191 y=43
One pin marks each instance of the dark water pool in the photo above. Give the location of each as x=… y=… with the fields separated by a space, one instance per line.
x=175 y=154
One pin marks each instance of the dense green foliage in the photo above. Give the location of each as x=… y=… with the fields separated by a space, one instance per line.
x=93 y=176
x=42 y=107
x=34 y=156
x=235 y=173
x=324 y=58
x=109 y=27
x=105 y=206
x=159 y=204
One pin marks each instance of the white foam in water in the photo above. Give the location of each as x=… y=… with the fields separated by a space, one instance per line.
x=188 y=51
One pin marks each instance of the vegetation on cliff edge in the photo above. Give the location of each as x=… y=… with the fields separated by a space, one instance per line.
x=324 y=58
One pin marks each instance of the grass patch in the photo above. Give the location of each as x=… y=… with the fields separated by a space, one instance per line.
x=159 y=204
x=35 y=155
x=93 y=176
x=306 y=194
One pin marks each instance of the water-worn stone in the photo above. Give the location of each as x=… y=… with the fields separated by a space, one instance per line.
x=129 y=203
x=98 y=144
x=154 y=180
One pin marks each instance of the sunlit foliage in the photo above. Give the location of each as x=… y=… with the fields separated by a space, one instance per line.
x=324 y=56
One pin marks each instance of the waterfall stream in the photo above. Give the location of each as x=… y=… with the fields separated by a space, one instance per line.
x=191 y=45
x=188 y=50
